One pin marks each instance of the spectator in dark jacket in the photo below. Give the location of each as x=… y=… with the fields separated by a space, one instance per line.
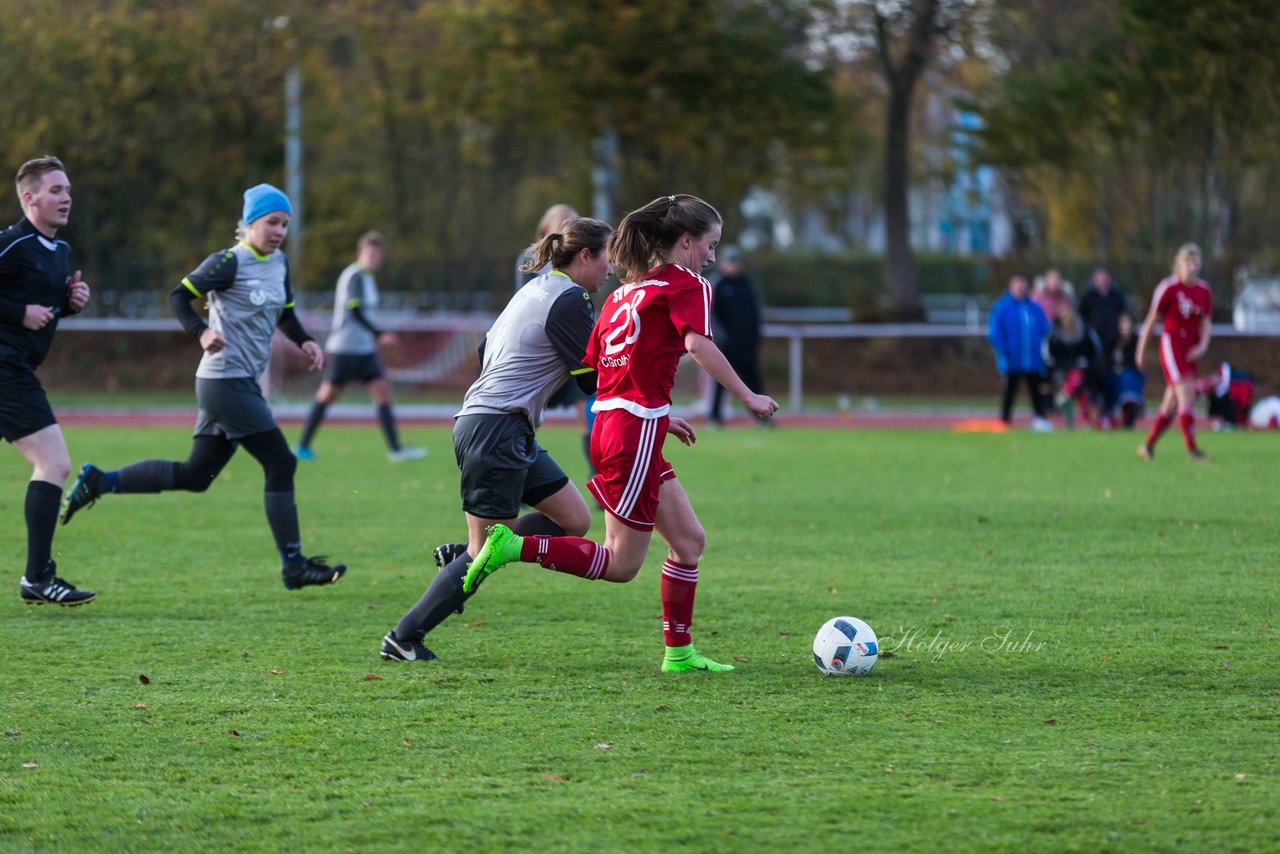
x=736 y=313
x=1101 y=307
x=1017 y=328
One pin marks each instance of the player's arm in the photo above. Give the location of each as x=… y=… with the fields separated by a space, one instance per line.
x=13 y=312
x=1202 y=347
x=1148 y=323
x=568 y=328
x=289 y=323
x=215 y=273
x=708 y=356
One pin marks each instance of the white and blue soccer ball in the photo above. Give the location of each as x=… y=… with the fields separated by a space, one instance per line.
x=845 y=646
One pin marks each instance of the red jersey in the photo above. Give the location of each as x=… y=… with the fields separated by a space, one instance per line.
x=1184 y=307
x=639 y=338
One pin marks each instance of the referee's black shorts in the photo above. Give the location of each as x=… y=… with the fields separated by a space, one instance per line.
x=24 y=407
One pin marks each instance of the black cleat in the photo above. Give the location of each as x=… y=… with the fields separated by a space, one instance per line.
x=314 y=570
x=394 y=649
x=83 y=493
x=54 y=590
x=448 y=553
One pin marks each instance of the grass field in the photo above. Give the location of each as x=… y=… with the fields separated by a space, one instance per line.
x=1080 y=655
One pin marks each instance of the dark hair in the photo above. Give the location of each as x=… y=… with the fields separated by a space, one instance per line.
x=651 y=231
x=33 y=171
x=560 y=247
x=369 y=238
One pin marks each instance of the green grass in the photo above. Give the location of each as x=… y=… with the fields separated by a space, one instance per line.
x=1134 y=705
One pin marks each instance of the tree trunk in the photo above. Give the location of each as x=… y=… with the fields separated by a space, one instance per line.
x=900 y=265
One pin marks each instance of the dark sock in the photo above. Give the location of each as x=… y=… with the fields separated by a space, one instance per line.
x=144 y=476
x=282 y=516
x=535 y=524
x=444 y=596
x=43 y=500
x=314 y=417
x=387 y=422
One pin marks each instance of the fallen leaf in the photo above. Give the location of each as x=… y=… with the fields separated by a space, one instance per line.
x=888 y=769
x=784 y=634
x=365 y=803
x=477 y=622
x=142 y=677
x=1221 y=646
x=195 y=740
x=998 y=798
x=30 y=765
x=1139 y=821
x=244 y=654
x=233 y=732
x=554 y=777
x=12 y=733
x=274 y=672
x=1239 y=776
x=888 y=653
x=406 y=742
x=1051 y=722
x=1226 y=664
x=140 y=705
x=371 y=677
x=740 y=659
x=643 y=772
x=831 y=590
x=605 y=745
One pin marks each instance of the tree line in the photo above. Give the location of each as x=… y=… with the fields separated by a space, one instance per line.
x=1120 y=128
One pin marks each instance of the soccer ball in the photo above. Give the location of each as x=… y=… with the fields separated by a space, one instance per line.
x=845 y=646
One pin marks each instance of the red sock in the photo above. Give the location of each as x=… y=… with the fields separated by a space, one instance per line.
x=1187 y=421
x=679 y=584
x=571 y=555
x=1158 y=426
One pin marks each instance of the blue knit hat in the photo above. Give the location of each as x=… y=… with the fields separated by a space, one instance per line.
x=262 y=200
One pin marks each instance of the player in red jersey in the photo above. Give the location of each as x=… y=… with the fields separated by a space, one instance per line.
x=1186 y=305
x=661 y=311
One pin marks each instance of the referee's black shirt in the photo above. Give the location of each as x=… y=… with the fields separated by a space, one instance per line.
x=33 y=271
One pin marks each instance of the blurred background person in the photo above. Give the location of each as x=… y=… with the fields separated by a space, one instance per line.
x=736 y=312
x=1101 y=307
x=1017 y=328
x=1073 y=358
x=353 y=343
x=1052 y=292
x=1123 y=401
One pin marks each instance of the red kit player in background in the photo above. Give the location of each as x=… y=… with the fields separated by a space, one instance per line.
x=661 y=311
x=1186 y=305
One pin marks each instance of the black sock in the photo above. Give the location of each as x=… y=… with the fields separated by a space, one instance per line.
x=388 y=423
x=43 y=500
x=535 y=524
x=444 y=596
x=146 y=476
x=282 y=516
x=314 y=417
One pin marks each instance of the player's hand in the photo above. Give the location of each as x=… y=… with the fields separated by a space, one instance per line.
x=1139 y=358
x=315 y=353
x=1194 y=354
x=388 y=339
x=211 y=341
x=77 y=291
x=682 y=430
x=37 y=317
x=761 y=405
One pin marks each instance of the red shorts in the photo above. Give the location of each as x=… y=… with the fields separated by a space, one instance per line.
x=1173 y=358
x=627 y=453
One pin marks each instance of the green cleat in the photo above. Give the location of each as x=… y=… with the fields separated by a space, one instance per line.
x=500 y=548
x=682 y=659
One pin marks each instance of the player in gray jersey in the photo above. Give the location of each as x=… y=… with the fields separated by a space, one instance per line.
x=534 y=347
x=249 y=296
x=353 y=348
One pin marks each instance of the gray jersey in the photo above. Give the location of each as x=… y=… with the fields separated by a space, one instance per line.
x=246 y=293
x=534 y=347
x=356 y=289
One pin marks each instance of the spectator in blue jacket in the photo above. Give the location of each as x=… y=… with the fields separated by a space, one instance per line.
x=1017 y=330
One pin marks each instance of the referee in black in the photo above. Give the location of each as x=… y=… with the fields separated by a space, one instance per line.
x=36 y=288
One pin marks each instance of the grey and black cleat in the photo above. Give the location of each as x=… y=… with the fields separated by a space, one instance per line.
x=394 y=649
x=83 y=493
x=54 y=590
x=448 y=553
x=314 y=570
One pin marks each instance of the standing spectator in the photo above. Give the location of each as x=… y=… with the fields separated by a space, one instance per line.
x=1052 y=292
x=1101 y=307
x=249 y=295
x=535 y=346
x=1017 y=329
x=737 y=315
x=36 y=288
x=353 y=343
x=1185 y=304
x=1124 y=384
x=1075 y=365
x=661 y=311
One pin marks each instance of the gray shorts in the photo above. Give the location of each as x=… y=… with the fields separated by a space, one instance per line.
x=353 y=367
x=232 y=407
x=503 y=466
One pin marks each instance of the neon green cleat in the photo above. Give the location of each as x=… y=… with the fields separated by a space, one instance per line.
x=682 y=659
x=500 y=548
